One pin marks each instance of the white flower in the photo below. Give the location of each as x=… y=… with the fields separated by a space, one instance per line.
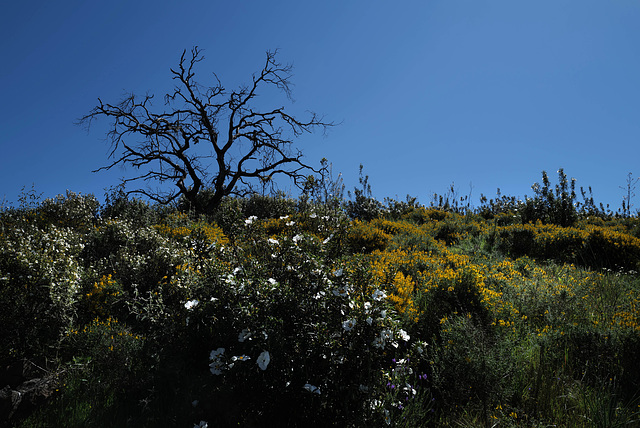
x=375 y=404
x=191 y=304
x=313 y=215
x=387 y=418
x=343 y=291
x=369 y=320
x=263 y=360
x=297 y=238
x=338 y=272
x=273 y=241
x=367 y=307
x=216 y=353
x=378 y=342
x=403 y=335
x=202 y=424
x=216 y=367
x=408 y=388
x=378 y=295
x=240 y=358
x=250 y=219
x=290 y=223
x=272 y=281
x=284 y=217
x=311 y=388
x=349 y=324
x=244 y=335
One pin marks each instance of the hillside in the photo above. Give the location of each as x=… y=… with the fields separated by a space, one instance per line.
x=314 y=312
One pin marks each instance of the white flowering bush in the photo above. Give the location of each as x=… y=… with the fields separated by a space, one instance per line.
x=277 y=324
x=40 y=276
x=72 y=210
x=287 y=321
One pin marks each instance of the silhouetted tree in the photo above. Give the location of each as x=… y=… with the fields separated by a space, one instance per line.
x=206 y=137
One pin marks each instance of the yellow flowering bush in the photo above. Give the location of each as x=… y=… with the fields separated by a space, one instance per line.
x=366 y=237
x=402 y=296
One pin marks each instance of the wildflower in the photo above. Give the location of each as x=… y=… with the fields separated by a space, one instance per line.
x=240 y=358
x=216 y=364
x=378 y=342
x=338 y=272
x=273 y=241
x=387 y=417
x=403 y=335
x=378 y=295
x=216 y=367
x=216 y=353
x=386 y=334
x=311 y=388
x=191 y=304
x=369 y=320
x=290 y=223
x=349 y=324
x=244 y=335
x=250 y=220
x=367 y=307
x=263 y=360
x=297 y=238
x=409 y=389
x=342 y=292
x=272 y=281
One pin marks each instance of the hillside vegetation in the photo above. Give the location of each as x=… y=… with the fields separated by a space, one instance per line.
x=275 y=311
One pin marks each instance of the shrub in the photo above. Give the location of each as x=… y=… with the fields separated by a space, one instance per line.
x=366 y=237
x=551 y=207
x=135 y=211
x=73 y=210
x=41 y=280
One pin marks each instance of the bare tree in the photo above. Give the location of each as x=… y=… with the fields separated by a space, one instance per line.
x=206 y=137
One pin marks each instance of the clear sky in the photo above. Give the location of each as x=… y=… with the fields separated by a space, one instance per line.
x=482 y=94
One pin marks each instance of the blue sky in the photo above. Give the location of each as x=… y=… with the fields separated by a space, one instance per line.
x=482 y=94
